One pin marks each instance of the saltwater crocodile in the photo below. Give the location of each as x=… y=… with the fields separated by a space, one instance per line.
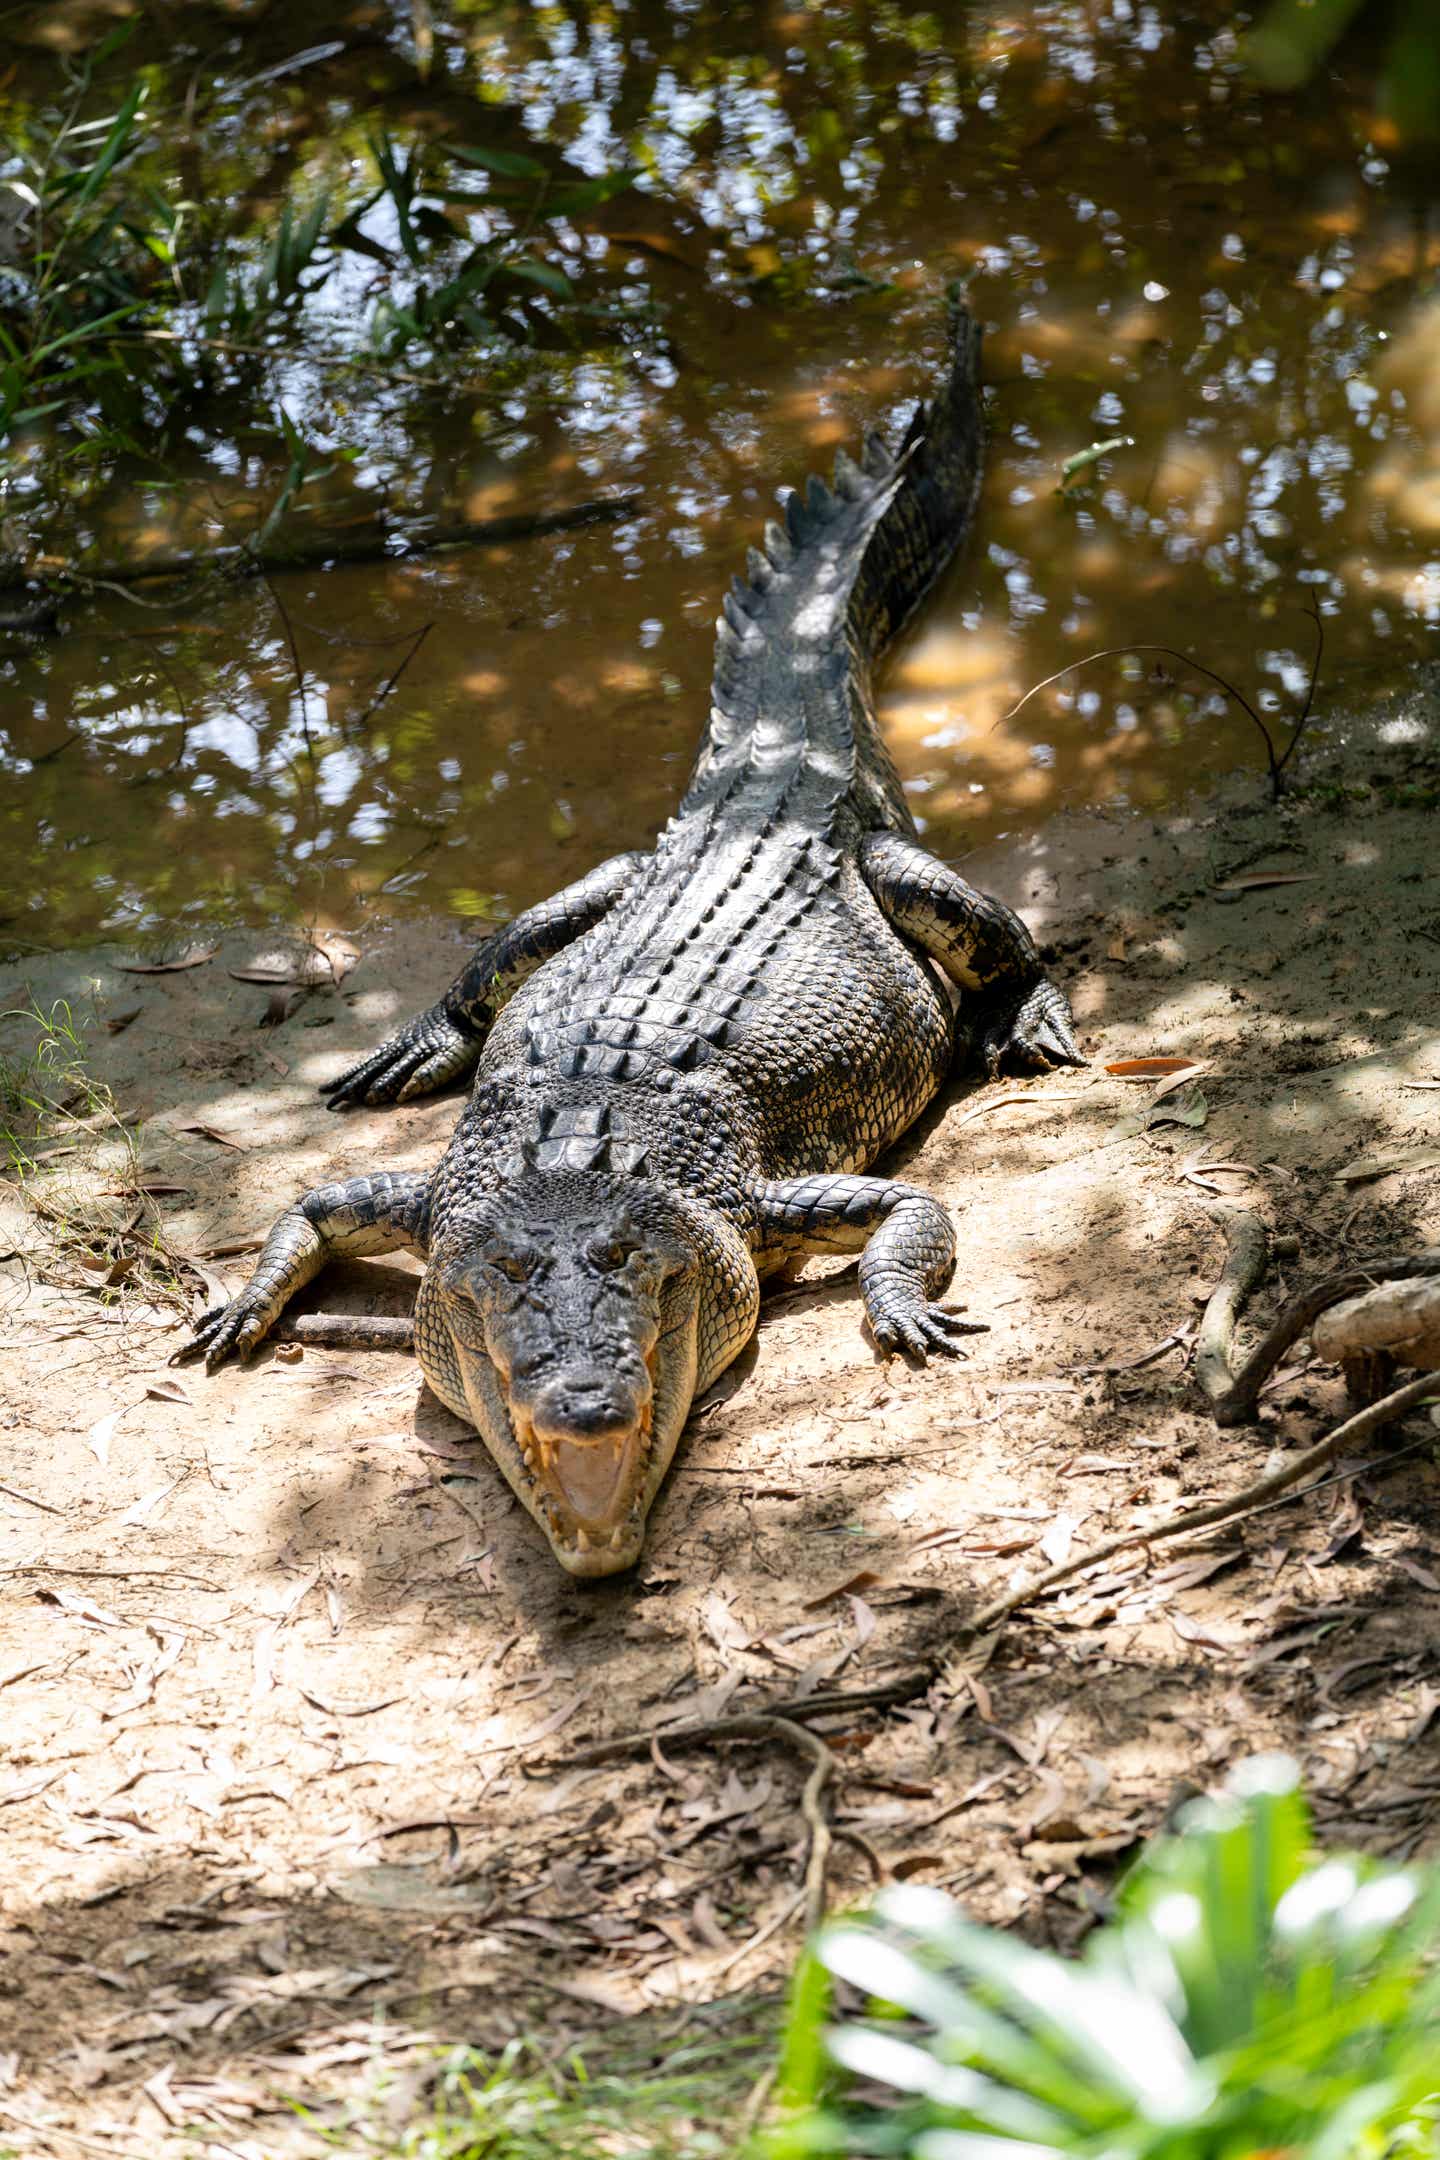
x=686 y=1061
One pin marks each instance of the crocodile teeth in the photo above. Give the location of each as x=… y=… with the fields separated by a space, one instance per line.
x=583 y=1540
x=617 y=1537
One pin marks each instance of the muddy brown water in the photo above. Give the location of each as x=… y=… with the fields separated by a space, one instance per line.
x=1236 y=287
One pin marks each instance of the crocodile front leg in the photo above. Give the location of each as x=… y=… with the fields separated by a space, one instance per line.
x=906 y=1242
x=982 y=945
x=364 y=1216
x=439 y=1045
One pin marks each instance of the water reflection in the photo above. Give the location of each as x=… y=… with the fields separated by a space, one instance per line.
x=1232 y=285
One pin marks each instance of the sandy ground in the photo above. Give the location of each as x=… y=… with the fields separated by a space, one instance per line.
x=287 y=1681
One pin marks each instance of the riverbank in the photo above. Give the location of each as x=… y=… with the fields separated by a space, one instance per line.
x=289 y=1681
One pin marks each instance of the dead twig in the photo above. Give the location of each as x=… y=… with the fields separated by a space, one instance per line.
x=1235 y=1405
x=1244 y=1266
x=700 y=1732
x=1179 y=1338
x=1275 y=760
x=1263 y=1490
x=347 y=1331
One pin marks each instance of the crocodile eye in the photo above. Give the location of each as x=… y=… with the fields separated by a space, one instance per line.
x=607 y=1254
x=514 y=1266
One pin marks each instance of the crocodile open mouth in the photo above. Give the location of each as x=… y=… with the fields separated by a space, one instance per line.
x=588 y=1488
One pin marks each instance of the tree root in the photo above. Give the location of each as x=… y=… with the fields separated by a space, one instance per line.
x=1244 y=1266
x=761 y=1725
x=1235 y=1404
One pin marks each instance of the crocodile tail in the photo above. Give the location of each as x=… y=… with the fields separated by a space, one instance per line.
x=925 y=522
x=831 y=587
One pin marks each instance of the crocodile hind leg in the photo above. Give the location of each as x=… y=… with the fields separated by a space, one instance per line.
x=362 y=1217
x=906 y=1242
x=439 y=1045
x=982 y=945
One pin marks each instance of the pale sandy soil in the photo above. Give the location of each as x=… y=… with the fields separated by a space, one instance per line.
x=287 y=1680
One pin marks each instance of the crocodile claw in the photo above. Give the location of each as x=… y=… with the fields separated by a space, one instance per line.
x=231 y=1330
x=1033 y=1036
x=919 y=1334
x=416 y=1060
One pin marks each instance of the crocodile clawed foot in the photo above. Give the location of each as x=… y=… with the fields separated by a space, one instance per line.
x=1034 y=1036
x=225 y=1331
x=416 y=1061
x=923 y=1333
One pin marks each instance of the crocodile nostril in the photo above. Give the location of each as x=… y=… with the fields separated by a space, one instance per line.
x=587 y=1405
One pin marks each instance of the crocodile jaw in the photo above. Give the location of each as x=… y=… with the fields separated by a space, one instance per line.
x=585 y=1491
x=613 y=1476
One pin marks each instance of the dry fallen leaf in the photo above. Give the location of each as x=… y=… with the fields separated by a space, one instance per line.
x=337 y=952
x=1366 y=1167
x=1026 y=1102
x=166 y=1391
x=364 y=1709
x=80 y=1608
x=279 y=1006
x=915 y=1863
x=1258 y=880
x=140 y=1510
x=1058 y=1539
x=101 y=1433
x=213 y=1132
x=1151 y=1068
x=29 y=1787
x=1193 y=1631
x=194 y=956
x=865 y=1621
x=116 y=1023
x=1181 y=1078
x=866 y=1579
x=1186 y=1109
x=1193 y=1172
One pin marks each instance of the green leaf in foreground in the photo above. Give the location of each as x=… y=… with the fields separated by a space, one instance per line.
x=1248 y=1996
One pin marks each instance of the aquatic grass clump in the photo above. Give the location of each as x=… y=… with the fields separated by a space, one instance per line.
x=1247 y=1997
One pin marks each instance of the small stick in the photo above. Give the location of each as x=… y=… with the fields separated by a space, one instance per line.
x=1324 y=1452
x=1236 y=1405
x=346 y=1331
x=1244 y=1266
x=697 y=1731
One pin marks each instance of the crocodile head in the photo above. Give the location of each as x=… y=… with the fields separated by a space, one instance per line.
x=572 y=1305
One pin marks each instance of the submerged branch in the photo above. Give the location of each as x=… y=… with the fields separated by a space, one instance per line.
x=320 y=550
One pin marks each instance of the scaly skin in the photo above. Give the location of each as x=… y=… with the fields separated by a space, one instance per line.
x=683 y=1062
